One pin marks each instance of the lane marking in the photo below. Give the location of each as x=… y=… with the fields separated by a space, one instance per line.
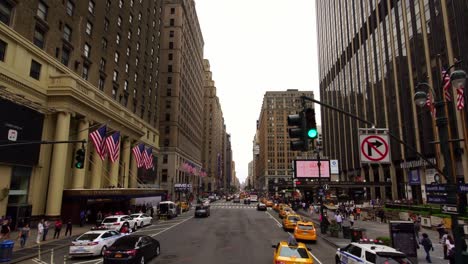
x=39 y=261
x=277 y=222
x=170 y=227
x=95 y=261
x=318 y=261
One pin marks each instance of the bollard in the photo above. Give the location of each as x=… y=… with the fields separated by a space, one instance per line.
x=39 y=251
x=52 y=256
x=64 y=259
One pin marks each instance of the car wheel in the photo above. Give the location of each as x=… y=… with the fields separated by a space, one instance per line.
x=141 y=224
x=337 y=260
x=142 y=260
x=158 y=250
x=103 y=249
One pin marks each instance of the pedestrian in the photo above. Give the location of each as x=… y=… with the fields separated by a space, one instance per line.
x=450 y=249
x=417 y=229
x=98 y=218
x=40 y=231
x=68 y=227
x=351 y=219
x=24 y=234
x=46 y=230
x=339 y=220
x=5 y=232
x=427 y=245
x=444 y=244
x=82 y=218
x=58 y=227
x=441 y=230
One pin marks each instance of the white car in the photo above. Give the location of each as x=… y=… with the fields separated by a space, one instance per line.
x=116 y=222
x=142 y=219
x=93 y=243
x=369 y=251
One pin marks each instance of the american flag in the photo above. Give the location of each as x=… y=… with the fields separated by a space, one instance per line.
x=98 y=137
x=430 y=104
x=113 y=146
x=447 y=85
x=460 y=98
x=148 y=158
x=138 y=154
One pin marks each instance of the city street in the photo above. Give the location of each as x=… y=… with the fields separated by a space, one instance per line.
x=234 y=233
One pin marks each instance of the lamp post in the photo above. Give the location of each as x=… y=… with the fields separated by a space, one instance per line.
x=458 y=79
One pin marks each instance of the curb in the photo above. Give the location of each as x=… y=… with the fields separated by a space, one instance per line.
x=35 y=255
x=325 y=238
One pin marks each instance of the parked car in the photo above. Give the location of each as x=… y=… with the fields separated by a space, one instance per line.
x=167 y=209
x=142 y=219
x=261 y=207
x=132 y=249
x=116 y=222
x=370 y=251
x=202 y=210
x=236 y=200
x=93 y=243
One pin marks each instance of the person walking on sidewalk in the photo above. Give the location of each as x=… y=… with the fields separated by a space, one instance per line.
x=351 y=219
x=46 y=230
x=24 y=234
x=450 y=243
x=417 y=229
x=69 y=228
x=57 y=228
x=427 y=245
x=5 y=232
x=82 y=218
x=40 y=231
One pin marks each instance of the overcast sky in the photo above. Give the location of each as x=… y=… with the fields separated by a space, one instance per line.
x=256 y=46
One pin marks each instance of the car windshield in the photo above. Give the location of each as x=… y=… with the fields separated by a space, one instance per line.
x=305 y=227
x=88 y=236
x=110 y=220
x=383 y=259
x=293 y=252
x=293 y=219
x=135 y=215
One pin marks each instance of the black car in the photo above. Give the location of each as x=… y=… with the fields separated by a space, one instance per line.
x=202 y=210
x=132 y=249
x=261 y=207
x=246 y=201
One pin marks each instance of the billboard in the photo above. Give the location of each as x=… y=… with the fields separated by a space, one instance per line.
x=19 y=124
x=310 y=169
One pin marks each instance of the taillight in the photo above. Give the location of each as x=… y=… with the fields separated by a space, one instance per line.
x=107 y=253
x=132 y=252
x=92 y=243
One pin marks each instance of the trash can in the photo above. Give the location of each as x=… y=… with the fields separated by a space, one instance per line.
x=357 y=233
x=6 y=250
x=346 y=232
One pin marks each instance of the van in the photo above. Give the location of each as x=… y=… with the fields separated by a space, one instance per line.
x=168 y=209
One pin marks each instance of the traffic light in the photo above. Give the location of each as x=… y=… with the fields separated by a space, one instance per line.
x=298 y=133
x=80 y=158
x=312 y=131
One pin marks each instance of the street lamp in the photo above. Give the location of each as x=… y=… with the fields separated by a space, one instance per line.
x=458 y=79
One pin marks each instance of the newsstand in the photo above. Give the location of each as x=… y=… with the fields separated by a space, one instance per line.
x=357 y=233
x=6 y=250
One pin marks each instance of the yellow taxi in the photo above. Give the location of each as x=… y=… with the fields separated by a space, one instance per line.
x=184 y=206
x=290 y=221
x=305 y=231
x=292 y=253
x=269 y=203
x=276 y=207
x=285 y=211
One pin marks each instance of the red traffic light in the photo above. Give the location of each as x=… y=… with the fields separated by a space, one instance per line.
x=298 y=183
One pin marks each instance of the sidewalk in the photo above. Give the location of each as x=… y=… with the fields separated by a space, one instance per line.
x=32 y=249
x=375 y=229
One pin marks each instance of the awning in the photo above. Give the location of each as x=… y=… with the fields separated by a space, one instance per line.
x=119 y=193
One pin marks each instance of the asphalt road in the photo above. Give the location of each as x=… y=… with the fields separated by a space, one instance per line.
x=234 y=233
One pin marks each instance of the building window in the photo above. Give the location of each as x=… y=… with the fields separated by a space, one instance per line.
x=115 y=77
x=130 y=19
x=106 y=24
x=42 y=10
x=171 y=45
x=89 y=28
x=116 y=57
x=101 y=83
x=114 y=92
x=117 y=39
x=108 y=4
x=171 y=33
x=131 y=2
x=120 y=3
x=128 y=51
x=104 y=43
x=5 y=12
x=87 y=50
x=134 y=93
x=125 y=85
x=67 y=31
x=152 y=51
x=65 y=56
x=171 y=22
x=136 y=61
x=138 y=46
x=35 y=70
x=168 y=117
x=136 y=77
x=151 y=65
x=126 y=67
x=129 y=34
x=169 y=68
x=102 y=64
x=91 y=7
x=169 y=80
x=85 y=74
x=150 y=80
x=172 y=10
x=70 y=7
x=139 y=16
x=164 y=175
x=119 y=21
x=138 y=31
x=39 y=37
x=170 y=56
x=3 y=46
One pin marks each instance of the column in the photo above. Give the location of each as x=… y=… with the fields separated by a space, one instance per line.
x=59 y=161
x=395 y=182
x=79 y=174
x=382 y=179
x=114 y=172
x=96 y=171
x=125 y=162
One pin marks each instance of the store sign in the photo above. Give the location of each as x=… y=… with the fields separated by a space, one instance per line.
x=182 y=187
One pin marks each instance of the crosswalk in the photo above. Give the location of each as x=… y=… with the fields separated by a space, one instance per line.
x=234 y=206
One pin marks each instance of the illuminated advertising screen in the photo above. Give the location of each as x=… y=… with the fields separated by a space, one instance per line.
x=310 y=169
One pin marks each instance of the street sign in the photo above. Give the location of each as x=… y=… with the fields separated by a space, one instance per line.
x=438 y=188
x=449 y=209
x=436 y=199
x=374 y=148
x=463 y=188
x=334 y=167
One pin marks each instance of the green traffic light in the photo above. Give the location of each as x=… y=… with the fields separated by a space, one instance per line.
x=312 y=133
x=79 y=165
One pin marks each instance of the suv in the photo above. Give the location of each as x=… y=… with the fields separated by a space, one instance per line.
x=370 y=251
x=116 y=222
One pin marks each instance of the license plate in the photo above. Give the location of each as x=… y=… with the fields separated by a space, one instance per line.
x=304 y=233
x=118 y=255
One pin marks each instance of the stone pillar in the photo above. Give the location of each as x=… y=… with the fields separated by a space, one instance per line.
x=114 y=172
x=79 y=174
x=96 y=171
x=382 y=179
x=395 y=182
x=59 y=161
x=125 y=162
